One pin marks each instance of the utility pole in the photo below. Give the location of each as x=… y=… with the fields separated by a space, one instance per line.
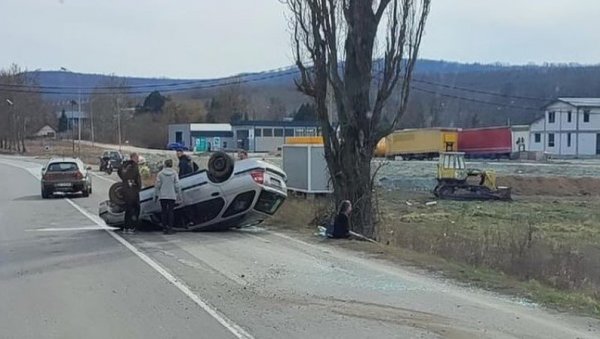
x=79 y=123
x=91 y=119
x=119 y=123
x=73 y=103
x=11 y=122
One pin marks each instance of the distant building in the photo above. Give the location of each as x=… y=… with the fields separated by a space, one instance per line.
x=216 y=136
x=73 y=117
x=45 y=132
x=569 y=127
x=267 y=136
x=253 y=136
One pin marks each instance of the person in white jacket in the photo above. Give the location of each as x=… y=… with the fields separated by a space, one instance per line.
x=168 y=191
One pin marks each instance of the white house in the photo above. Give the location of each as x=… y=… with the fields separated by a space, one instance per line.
x=45 y=132
x=569 y=127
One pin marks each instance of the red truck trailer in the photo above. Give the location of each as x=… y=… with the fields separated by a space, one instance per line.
x=489 y=142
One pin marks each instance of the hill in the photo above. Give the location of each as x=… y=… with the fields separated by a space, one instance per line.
x=444 y=93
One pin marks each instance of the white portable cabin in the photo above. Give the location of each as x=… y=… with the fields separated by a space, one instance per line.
x=305 y=165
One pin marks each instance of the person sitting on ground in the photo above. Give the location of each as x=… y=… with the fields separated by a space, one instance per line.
x=341 y=224
x=168 y=191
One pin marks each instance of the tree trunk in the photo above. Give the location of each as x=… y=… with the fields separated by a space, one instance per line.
x=355 y=185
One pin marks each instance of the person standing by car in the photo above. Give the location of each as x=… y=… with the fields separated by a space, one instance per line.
x=168 y=191
x=185 y=164
x=145 y=172
x=132 y=184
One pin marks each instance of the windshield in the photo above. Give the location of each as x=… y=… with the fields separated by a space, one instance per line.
x=62 y=167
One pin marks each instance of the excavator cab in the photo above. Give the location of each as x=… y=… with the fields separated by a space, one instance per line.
x=452 y=175
x=451 y=166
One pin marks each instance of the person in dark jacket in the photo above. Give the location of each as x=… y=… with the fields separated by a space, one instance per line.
x=186 y=165
x=130 y=175
x=168 y=191
x=341 y=224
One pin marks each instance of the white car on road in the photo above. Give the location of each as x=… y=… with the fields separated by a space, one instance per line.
x=225 y=195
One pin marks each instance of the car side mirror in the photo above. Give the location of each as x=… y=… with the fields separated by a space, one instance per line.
x=43 y=169
x=89 y=168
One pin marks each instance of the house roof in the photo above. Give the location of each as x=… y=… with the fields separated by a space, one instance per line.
x=73 y=114
x=276 y=123
x=578 y=102
x=210 y=127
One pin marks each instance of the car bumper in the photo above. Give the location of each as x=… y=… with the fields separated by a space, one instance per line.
x=71 y=186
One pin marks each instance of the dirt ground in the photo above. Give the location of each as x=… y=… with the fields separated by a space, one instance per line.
x=551 y=186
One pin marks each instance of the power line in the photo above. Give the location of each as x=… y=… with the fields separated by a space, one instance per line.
x=149 y=85
x=474 y=100
x=124 y=90
x=472 y=90
x=282 y=74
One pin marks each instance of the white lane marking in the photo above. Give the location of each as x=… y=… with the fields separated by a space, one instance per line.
x=235 y=329
x=232 y=327
x=64 y=229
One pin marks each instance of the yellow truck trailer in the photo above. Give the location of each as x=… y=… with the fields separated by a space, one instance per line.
x=418 y=143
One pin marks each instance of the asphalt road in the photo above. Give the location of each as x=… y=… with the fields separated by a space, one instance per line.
x=63 y=275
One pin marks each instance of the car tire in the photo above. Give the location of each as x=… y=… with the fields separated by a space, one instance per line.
x=220 y=167
x=86 y=192
x=116 y=194
x=45 y=194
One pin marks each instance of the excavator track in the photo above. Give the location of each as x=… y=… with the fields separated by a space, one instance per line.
x=470 y=192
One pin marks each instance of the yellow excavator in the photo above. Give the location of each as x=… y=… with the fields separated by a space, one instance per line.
x=455 y=181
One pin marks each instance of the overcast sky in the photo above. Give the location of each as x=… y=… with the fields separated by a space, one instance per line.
x=210 y=38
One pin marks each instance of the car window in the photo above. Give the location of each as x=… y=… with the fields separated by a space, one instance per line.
x=62 y=167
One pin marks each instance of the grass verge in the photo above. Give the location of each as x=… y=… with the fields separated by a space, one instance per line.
x=539 y=249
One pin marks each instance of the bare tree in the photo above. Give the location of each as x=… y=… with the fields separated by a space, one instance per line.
x=107 y=106
x=335 y=44
x=21 y=107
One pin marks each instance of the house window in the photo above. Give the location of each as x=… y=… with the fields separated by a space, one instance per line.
x=551 y=117
x=289 y=132
x=568 y=139
x=538 y=138
x=258 y=132
x=279 y=132
x=300 y=132
x=569 y=116
x=267 y=132
x=586 y=116
x=551 y=140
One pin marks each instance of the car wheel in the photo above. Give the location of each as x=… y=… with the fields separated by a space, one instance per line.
x=116 y=194
x=220 y=167
x=45 y=194
x=86 y=193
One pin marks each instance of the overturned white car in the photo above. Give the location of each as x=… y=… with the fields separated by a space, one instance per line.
x=226 y=195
